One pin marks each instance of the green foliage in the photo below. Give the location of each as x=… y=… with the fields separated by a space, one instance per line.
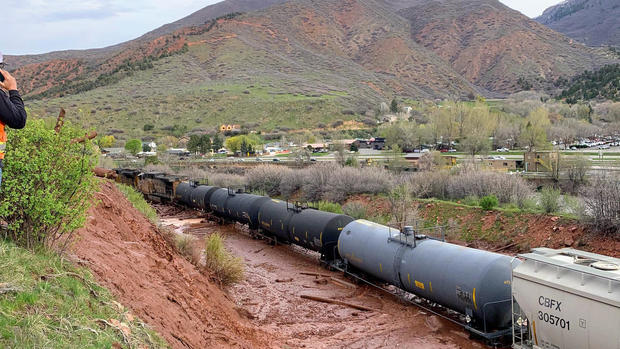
x=394 y=106
x=148 y=127
x=604 y=84
x=241 y=142
x=134 y=146
x=489 y=202
x=471 y=200
x=107 y=141
x=227 y=268
x=550 y=199
x=327 y=206
x=56 y=305
x=138 y=202
x=146 y=147
x=199 y=144
x=47 y=184
x=217 y=143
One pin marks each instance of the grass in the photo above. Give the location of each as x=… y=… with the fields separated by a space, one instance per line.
x=56 y=305
x=227 y=268
x=138 y=202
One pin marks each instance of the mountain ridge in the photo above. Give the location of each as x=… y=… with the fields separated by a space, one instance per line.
x=592 y=22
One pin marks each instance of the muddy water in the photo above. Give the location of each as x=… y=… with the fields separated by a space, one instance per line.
x=270 y=296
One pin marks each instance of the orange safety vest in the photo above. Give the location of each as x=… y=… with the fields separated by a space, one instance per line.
x=2 y=141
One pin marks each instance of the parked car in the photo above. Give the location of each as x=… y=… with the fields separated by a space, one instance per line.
x=424 y=151
x=276 y=160
x=313 y=159
x=503 y=150
x=451 y=150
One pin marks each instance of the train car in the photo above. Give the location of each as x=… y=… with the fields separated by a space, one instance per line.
x=570 y=298
x=183 y=194
x=157 y=186
x=244 y=208
x=200 y=196
x=472 y=282
x=317 y=230
x=128 y=176
x=274 y=217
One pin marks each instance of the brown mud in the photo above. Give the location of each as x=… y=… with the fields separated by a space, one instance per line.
x=270 y=297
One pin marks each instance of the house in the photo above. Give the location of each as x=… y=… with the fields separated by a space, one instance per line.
x=378 y=143
x=503 y=165
x=317 y=147
x=178 y=152
x=230 y=128
x=541 y=161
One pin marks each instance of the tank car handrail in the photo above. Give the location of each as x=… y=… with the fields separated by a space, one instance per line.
x=484 y=313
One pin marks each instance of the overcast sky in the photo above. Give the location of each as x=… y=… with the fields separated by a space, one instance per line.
x=38 y=26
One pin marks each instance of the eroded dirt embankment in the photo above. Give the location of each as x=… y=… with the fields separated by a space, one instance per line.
x=129 y=257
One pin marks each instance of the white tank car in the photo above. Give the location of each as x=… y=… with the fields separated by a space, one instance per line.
x=571 y=300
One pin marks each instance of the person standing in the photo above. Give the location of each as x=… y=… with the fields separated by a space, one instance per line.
x=12 y=110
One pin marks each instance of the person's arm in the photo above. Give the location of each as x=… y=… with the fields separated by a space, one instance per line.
x=12 y=111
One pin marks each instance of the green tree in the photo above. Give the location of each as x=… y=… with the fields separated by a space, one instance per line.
x=217 y=143
x=146 y=147
x=47 y=184
x=534 y=133
x=107 y=141
x=394 y=106
x=148 y=127
x=205 y=144
x=133 y=146
x=193 y=145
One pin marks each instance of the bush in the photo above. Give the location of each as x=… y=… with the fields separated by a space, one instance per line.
x=471 y=200
x=489 y=202
x=227 y=268
x=602 y=202
x=47 y=185
x=356 y=209
x=329 y=207
x=185 y=246
x=266 y=179
x=550 y=199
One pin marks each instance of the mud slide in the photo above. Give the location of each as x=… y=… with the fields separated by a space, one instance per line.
x=277 y=277
x=129 y=257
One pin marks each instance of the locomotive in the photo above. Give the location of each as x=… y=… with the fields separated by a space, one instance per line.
x=476 y=284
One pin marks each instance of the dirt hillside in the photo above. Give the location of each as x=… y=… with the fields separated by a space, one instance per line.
x=135 y=263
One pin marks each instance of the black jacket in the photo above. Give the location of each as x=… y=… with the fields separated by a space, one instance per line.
x=12 y=111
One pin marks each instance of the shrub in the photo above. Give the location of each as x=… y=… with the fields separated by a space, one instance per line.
x=550 y=199
x=356 y=209
x=489 y=202
x=266 y=179
x=471 y=200
x=602 y=202
x=185 y=246
x=227 y=268
x=329 y=207
x=47 y=185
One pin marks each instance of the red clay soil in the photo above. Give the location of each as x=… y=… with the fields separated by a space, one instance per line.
x=129 y=257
